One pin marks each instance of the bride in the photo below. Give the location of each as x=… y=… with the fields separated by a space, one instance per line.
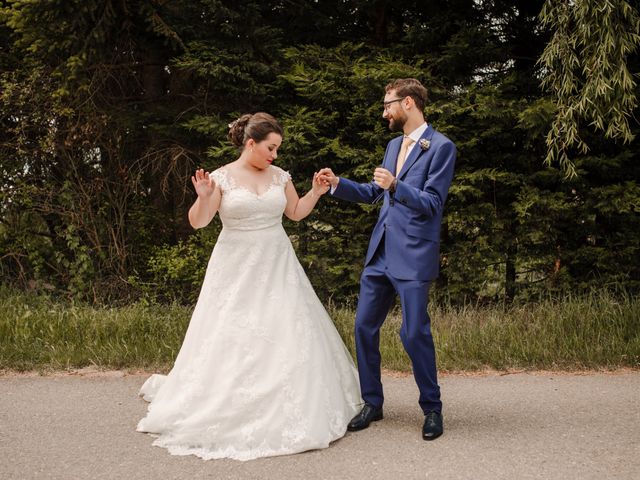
x=262 y=370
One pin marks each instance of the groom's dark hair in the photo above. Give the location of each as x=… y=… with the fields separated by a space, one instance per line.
x=409 y=87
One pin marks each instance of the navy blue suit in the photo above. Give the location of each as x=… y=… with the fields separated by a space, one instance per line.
x=403 y=258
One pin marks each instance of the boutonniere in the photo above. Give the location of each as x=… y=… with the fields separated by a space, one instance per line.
x=424 y=144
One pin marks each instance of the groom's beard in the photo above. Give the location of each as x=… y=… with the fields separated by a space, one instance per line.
x=397 y=124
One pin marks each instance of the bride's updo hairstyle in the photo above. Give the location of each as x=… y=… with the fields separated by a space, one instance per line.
x=256 y=126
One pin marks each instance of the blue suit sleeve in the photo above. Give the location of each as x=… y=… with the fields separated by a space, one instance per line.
x=430 y=200
x=357 y=192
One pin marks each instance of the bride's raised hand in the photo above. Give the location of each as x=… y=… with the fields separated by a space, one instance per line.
x=203 y=183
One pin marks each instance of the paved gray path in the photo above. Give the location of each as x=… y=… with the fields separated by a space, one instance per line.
x=520 y=426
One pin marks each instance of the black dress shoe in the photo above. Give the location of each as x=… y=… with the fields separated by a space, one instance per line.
x=368 y=414
x=432 y=427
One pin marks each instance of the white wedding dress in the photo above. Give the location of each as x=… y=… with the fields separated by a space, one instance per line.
x=262 y=370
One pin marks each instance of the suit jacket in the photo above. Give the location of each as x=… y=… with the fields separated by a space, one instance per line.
x=410 y=218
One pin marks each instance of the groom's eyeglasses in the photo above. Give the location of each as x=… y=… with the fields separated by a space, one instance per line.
x=386 y=105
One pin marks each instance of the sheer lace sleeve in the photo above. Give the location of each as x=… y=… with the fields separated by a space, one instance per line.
x=221 y=178
x=281 y=177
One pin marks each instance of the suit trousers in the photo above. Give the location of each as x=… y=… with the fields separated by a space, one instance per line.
x=377 y=293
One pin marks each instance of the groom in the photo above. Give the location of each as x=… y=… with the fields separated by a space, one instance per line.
x=403 y=254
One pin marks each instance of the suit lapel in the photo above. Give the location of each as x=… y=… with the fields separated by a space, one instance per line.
x=392 y=156
x=416 y=151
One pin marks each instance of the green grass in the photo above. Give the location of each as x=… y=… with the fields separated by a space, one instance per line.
x=37 y=333
x=590 y=332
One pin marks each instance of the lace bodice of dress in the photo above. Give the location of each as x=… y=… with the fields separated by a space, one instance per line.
x=242 y=209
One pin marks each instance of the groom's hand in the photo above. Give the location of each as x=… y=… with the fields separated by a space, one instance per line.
x=327 y=176
x=383 y=177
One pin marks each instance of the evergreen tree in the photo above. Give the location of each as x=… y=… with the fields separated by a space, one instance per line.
x=108 y=107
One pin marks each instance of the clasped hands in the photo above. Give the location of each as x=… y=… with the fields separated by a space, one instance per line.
x=381 y=176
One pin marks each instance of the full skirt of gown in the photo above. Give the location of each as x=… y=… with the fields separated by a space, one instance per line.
x=262 y=370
